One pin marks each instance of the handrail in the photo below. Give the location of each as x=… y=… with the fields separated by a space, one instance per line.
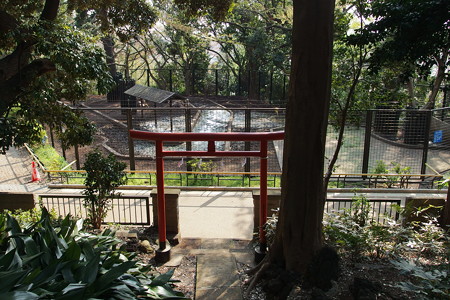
x=253 y=173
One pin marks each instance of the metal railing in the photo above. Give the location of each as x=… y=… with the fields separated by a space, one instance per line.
x=381 y=211
x=251 y=179
x=125 y=210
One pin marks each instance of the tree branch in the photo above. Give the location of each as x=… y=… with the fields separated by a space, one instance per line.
x=15 y=86
x=7 y=22
x=50 y=11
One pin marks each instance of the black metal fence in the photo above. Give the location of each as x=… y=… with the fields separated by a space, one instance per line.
x=270 y=86
x=134 y=210
x=380 y=211
x=125 y=210
x=375 y=141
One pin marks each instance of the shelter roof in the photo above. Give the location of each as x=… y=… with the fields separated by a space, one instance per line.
x=152 y=94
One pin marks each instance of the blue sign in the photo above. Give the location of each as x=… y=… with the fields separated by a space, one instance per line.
x=437 y=136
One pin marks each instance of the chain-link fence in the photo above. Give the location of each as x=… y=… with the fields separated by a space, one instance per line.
x=375 y=141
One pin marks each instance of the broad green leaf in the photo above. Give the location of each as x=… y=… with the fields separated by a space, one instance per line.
x=73 y=252
x=30 y=246
x=13 y=225
x=6 y=260
x=91 y=269
x=9 y=279
x=18 y=295
x=163 y=278
x=102 y=283
x=123 y=292
x=166 y=293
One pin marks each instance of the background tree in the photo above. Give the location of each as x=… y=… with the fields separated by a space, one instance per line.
x=44 y=59
x=122 y=20
x=414 y=32
x=253 y=40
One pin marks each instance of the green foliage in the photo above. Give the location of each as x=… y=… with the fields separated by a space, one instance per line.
x=63 y=262
x=104 y=175
x=407 y=30
x=27 y=217
x=429 y=283
x=401 y=181
x=49 y=157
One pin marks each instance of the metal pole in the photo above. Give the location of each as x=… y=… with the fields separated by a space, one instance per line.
x=217 y=82
x=130 y=140
x=368 y=134
x=170 y=81
x=248 y=119
x=425 y=143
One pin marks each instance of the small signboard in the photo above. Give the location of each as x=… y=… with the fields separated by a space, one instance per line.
x=437 y=136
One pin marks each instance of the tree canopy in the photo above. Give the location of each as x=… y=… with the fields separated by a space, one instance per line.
x=46 y=57
x=415 y=33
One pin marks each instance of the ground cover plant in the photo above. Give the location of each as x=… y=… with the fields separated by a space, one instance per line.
x=385 y=261
x=51 y=259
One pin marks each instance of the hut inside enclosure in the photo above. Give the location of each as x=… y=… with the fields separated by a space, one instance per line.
x=142 y=95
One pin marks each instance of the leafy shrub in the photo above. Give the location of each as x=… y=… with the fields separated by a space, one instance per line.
x=43 y=262
x=103 y=176
x=428 y=284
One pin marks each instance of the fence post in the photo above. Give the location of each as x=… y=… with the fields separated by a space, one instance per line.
x=368 y=134
x=239 y=82
x=259 y=85
x=271 y=87
x=188 y=126
x=248 y=127
x=425 y=143
x=130 y=140
x=170 y=81
x=77 y=157
x=193 y=81
x=217 y=82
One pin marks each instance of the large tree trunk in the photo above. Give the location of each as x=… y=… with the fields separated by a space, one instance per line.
x=252 y=74
x=108 y=45
x=299 y=230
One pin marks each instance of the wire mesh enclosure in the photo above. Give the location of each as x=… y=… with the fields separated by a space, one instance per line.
x=375 y=142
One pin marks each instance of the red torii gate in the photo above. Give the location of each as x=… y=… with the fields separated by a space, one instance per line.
x=163 y=253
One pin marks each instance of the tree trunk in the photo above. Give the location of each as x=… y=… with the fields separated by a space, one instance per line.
x=299 y=230
x=441 y=65
x=108 y=45
x=252 y=75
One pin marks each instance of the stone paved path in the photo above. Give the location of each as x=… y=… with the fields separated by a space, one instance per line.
x=15 y=172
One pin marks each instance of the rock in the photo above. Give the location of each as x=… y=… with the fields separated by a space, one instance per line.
x=364 y=289
x=145 y=247
x=324 y=268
